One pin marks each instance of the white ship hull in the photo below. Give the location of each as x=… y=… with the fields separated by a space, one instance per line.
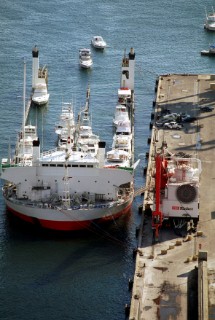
x=72 y=219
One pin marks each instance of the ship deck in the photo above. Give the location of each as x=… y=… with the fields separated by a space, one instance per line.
x=164 y=285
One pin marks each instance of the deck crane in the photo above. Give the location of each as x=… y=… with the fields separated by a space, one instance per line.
x=157 y=215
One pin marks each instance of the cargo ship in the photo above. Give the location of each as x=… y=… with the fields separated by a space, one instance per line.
x=69 y=188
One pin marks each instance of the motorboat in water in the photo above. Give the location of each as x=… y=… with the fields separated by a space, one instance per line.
x=40 y=94
x=69 y=188
x=98 y=42
x=209 y=52
x=85 y=59
x=210 y=21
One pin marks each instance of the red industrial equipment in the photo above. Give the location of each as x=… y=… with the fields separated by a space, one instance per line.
x=157 y=216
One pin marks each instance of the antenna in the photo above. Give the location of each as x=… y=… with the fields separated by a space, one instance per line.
x=9 y=152
x=23 y=125
x=42 y=131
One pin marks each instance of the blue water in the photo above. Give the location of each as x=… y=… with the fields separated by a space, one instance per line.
x=85 y=277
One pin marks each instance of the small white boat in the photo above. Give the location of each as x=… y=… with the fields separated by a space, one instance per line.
x=86 y=140
x=66 y=118
x=121 y=141
x=121 y=114
x=124 y=127
x=24 y=145
x=85 y=59
x=40 y=94
x=98 y=42
x=210 y=21
x=210 y=52
x=118 y=158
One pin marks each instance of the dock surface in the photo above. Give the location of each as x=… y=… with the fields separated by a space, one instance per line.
x=164 y=285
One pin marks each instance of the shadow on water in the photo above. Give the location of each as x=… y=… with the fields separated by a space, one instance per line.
x=116 y=231
x=59 y=255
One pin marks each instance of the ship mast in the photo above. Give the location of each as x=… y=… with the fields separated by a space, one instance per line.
x=66 y=194
x=23 y=125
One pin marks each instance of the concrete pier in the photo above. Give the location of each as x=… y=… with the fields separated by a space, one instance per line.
x=165 y=279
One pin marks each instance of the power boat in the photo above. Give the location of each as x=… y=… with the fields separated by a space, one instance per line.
x=98 y=42
x=124 y=127
x=66 y=126
x=40 y=94
x=85 y=59
x=121 y=114
x=24 y=145
x=122 y=141
x=210 y=21
x=118 y=158
x=209 y=52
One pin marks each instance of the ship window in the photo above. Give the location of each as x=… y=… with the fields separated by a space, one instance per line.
x=52 y=165
x=74 y=165
x=60 y=165
x=90 y=166
x=82 y=166
x=44 y=165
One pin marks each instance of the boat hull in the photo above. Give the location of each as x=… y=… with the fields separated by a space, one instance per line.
x=207 y=53
x=68 y=220
x=41 y=100
x=210 y=27
x=85 y=65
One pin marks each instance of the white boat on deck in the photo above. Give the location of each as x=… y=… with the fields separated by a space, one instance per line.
x=66 y=127
x=86 y=140
x=124 y=127
x=121 y=114
x=122 y=141
x=210 y=21
x=66 y=118
x=118 y=158
x=40 y=94
x=124 y=95
x=24 y=145
x=85 y=59
x=98 y=42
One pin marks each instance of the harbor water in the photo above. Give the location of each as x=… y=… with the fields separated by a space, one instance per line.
x=84 y=276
